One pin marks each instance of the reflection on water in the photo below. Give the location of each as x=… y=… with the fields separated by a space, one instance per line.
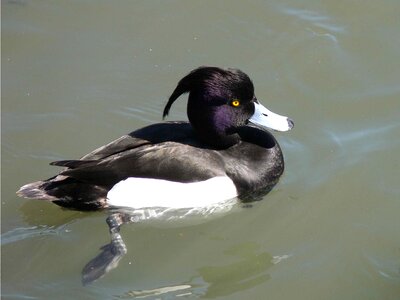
x=167 y=291
x=317 y=19
x=18 y=234
x=353 y=147
x=339 y=150
x=38 y=212
x=111 y=253
x=387 y=268
x=248 y=270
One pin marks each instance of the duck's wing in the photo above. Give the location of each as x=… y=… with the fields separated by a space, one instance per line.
x=159 y=161
x=119 y=145
x=151 y=152
x=153 y=134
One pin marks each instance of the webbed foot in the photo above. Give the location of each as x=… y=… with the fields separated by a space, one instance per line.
x=107 y=260
x=110 y=254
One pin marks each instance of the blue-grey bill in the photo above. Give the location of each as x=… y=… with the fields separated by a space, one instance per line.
x=265 y=118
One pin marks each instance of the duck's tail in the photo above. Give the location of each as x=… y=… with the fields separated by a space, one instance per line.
x=66 y=192
x=35 y=190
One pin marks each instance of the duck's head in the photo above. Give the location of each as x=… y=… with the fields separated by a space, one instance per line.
x=221 y=101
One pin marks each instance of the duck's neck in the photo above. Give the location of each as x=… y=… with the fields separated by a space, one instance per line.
x=214 y=134
x=217 y=141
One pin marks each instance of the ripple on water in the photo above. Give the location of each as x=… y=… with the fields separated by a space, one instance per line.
x=330 y=150
x=20 y=233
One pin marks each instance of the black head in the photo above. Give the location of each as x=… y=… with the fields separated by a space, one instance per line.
x=220 y=102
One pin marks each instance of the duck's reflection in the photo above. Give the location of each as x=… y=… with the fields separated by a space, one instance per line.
x=248 y=270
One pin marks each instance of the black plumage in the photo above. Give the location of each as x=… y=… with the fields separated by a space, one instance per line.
x=218 y=141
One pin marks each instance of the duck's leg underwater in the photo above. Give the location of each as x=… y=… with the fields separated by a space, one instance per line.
x=111 y=253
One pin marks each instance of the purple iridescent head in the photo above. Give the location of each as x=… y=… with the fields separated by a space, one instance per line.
x=221 y=101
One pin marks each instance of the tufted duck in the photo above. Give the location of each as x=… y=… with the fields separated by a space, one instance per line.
x=223 y=152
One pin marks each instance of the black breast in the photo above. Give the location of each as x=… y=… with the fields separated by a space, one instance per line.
x=254 y=164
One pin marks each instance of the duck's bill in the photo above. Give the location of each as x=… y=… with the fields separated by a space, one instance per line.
x=266 y=118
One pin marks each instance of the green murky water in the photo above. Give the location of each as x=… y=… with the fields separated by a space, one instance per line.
x=77 y=74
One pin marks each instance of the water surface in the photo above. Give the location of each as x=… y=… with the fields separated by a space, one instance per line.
x=77 y=74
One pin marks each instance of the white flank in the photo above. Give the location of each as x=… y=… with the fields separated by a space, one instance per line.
x=140 y=193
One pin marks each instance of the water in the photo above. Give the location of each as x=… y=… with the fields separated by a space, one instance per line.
x=77 y=74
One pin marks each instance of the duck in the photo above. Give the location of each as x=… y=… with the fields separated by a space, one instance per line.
x=224 y=151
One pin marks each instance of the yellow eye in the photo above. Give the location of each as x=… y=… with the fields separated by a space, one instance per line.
x=235 y=103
